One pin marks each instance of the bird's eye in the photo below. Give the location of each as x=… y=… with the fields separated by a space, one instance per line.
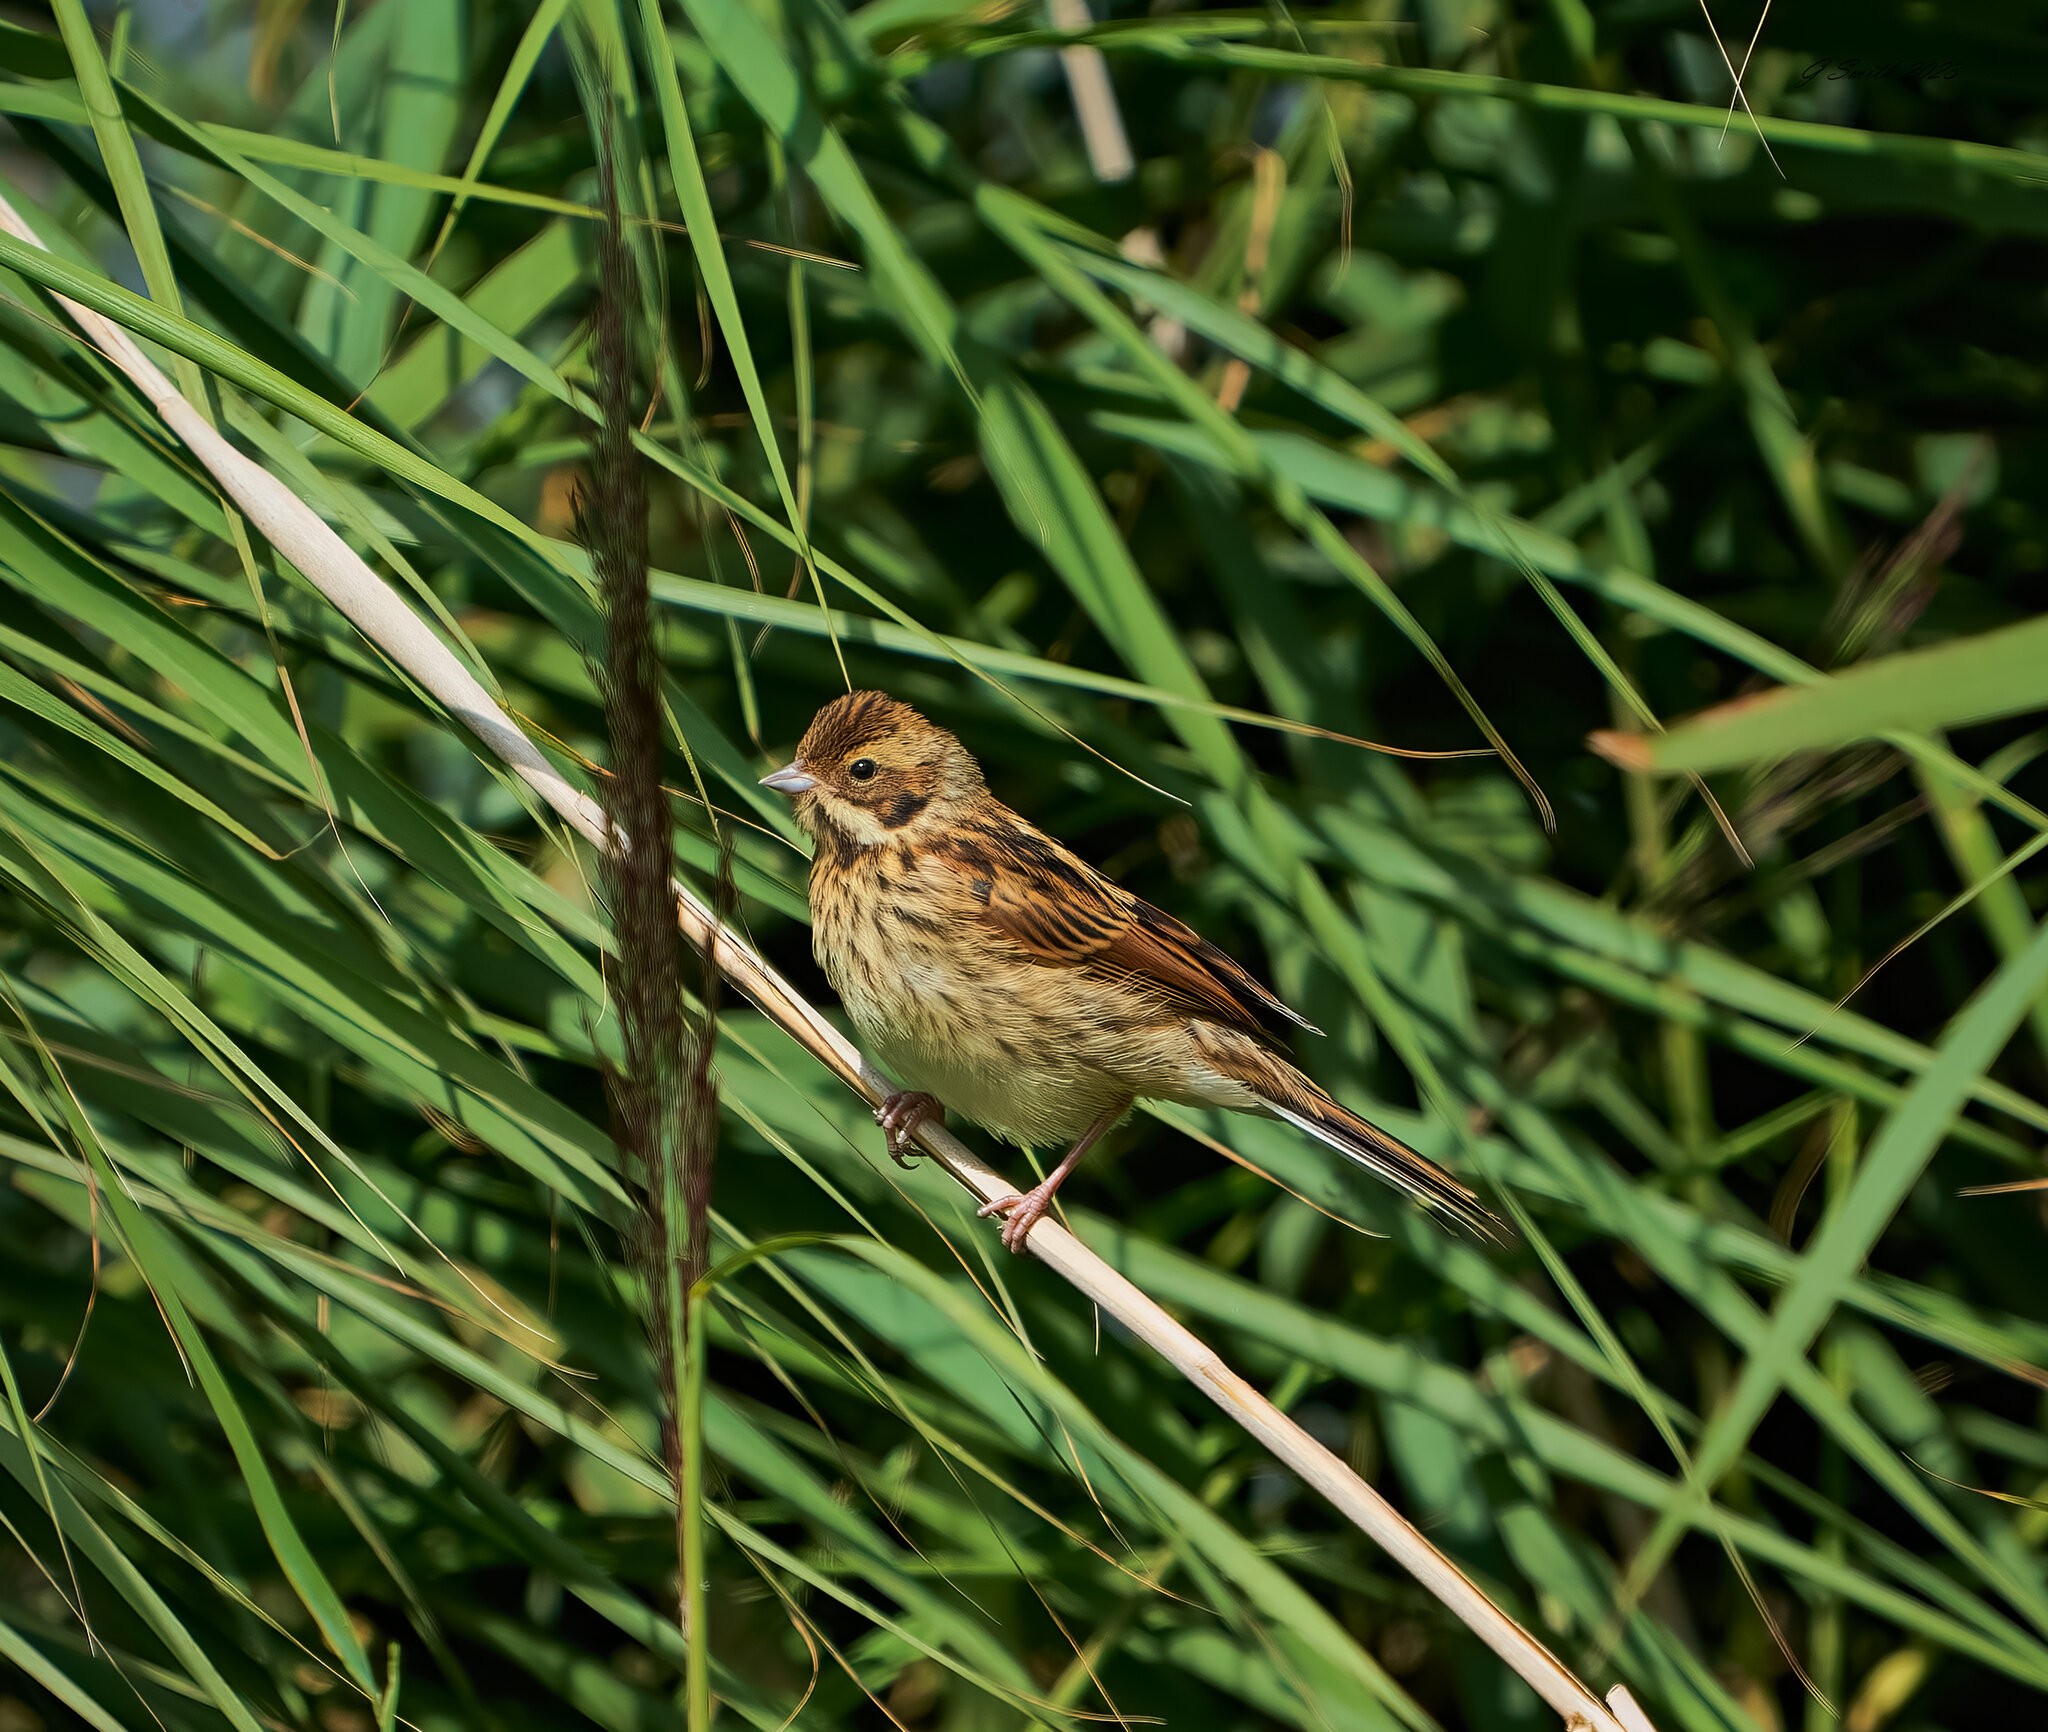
x=861 y=769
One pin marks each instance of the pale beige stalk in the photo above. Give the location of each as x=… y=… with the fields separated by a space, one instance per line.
x=1102 y=124
x=376 y=609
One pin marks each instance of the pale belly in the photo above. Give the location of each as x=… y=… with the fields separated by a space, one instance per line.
x=987 y=1051
x=998 y=1041
x=934 y=1027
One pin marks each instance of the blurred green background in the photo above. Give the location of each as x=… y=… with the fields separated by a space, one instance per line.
x=1437 y=373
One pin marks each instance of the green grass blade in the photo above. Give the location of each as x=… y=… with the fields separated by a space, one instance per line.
x=1994 y=673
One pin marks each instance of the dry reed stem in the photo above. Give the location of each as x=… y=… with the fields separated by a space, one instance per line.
x=1102 y=123
x=331 y=566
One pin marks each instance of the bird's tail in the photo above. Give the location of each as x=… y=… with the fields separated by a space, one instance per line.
x=1285 y=1093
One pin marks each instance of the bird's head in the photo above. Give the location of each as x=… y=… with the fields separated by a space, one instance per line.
x=871 y=770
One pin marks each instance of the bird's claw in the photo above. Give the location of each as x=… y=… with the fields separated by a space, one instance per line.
x=1020 y=1215
x=900 y=1117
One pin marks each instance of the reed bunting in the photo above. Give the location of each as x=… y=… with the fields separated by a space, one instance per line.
x=997 y=975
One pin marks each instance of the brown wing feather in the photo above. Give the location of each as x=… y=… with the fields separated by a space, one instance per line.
x=1062 y=913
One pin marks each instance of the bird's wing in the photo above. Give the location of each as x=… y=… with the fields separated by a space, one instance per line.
x=1062 y=913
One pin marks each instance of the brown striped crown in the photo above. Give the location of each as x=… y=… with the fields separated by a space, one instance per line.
x=878 y=766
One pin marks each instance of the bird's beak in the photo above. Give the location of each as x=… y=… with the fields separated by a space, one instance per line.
x=790 y=779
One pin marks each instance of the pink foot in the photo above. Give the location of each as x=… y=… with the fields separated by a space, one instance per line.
x=1020 y=1214
x=901 y=1115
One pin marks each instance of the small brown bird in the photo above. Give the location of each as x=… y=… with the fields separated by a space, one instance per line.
x=998 y=975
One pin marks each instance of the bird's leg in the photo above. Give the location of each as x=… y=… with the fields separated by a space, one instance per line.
x=1021 y=1214
x=901 y=1115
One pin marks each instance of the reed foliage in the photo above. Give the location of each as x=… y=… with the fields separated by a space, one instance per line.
x=1440 y=375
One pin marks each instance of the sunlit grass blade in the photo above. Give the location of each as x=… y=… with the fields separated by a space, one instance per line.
x=1996 y=673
